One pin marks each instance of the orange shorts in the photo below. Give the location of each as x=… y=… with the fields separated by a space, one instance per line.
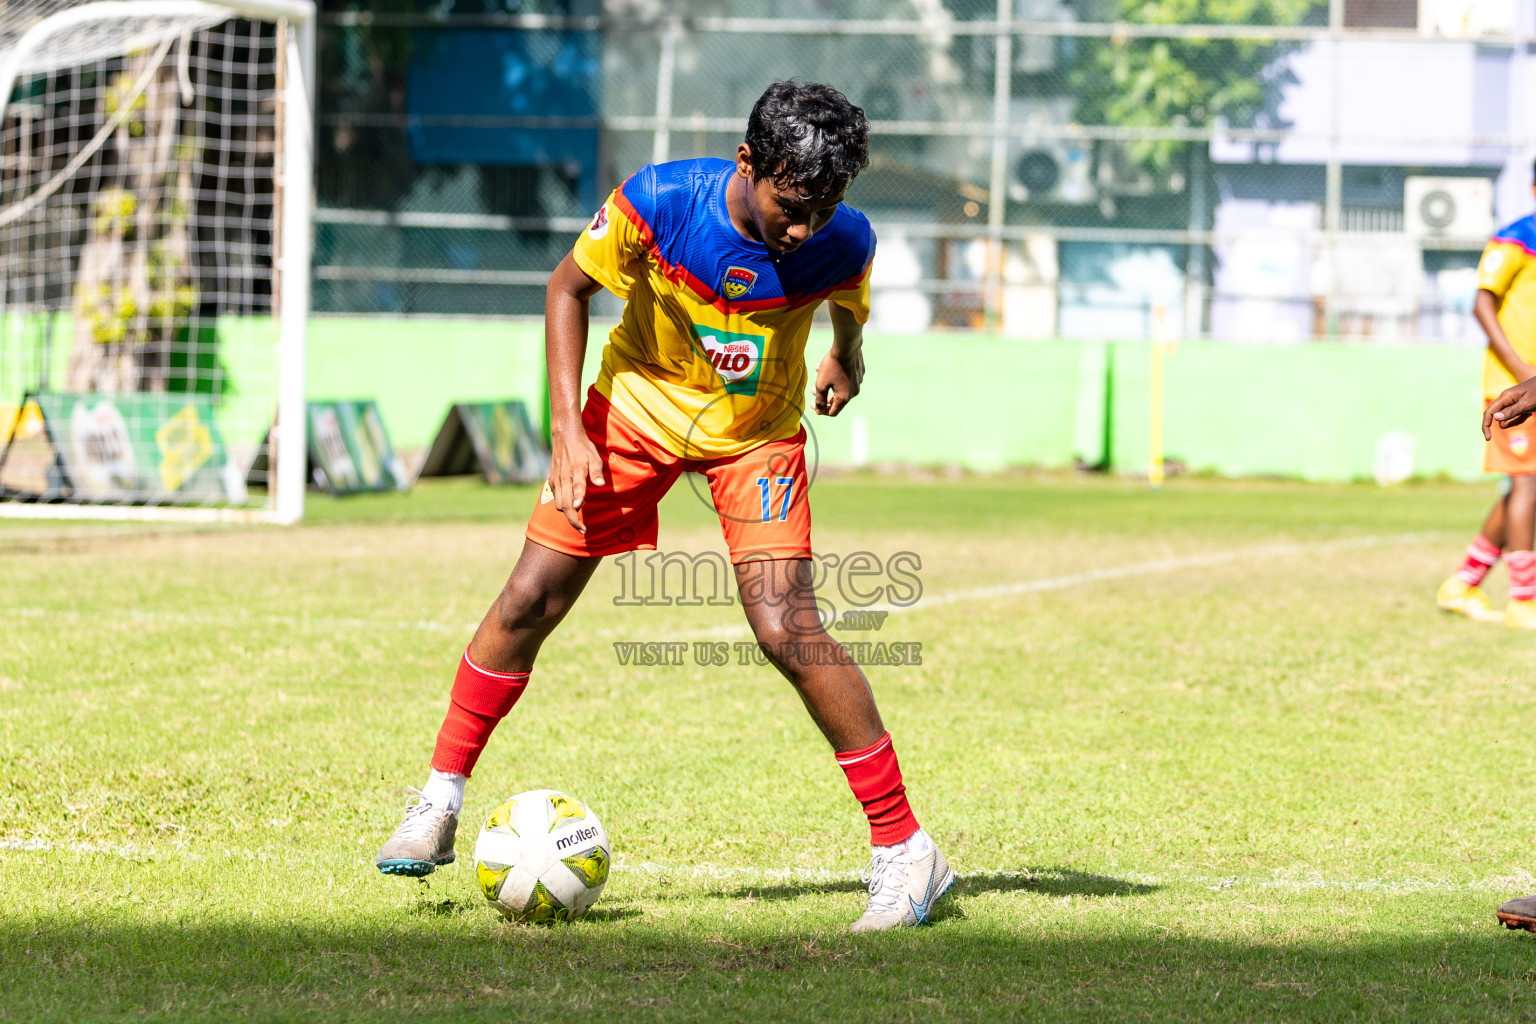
x=1512 y=451
x=761 y=496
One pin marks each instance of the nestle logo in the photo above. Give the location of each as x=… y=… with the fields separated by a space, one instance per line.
x=581 y=835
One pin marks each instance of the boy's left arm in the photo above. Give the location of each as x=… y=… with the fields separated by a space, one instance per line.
x=841 y=370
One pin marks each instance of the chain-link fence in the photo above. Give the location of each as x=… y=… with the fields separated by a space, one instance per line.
x=1249 y=170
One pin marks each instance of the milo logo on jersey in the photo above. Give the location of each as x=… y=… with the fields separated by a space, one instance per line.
x=737 y=358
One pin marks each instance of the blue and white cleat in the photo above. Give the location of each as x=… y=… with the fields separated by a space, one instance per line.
x=904 y=887
x=423 y=842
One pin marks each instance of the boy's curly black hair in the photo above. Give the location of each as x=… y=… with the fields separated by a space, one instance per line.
x=808 y=135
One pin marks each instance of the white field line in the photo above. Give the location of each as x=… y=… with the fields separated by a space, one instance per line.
x=234 y=620
x=106 y=849
x=1120 y=572
x=136 y=513
x=10 y=537
x=707 y=873
x=1035 y=586
x=1208 y=558
x=1522 y=881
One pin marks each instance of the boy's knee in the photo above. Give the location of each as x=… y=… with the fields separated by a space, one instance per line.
x=799 y=651
x=524 y=606
x=792 y=625
x=771 y=636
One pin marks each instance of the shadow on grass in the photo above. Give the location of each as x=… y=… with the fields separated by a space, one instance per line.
x=463 y=905
x=678 y=967
x=614 y=913
x=1047 y=881
x=1056 y=881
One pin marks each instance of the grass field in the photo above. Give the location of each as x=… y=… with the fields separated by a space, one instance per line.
x=1204 y=754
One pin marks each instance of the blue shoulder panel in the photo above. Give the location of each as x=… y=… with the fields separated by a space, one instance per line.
x=1522 y=233
x=683 y=205
x=835 y=256
x=639 y=191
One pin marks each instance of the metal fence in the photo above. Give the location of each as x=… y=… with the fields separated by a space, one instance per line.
x=1076 y=168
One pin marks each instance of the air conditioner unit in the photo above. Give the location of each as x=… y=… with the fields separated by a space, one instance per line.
x=1055 y=171
x=1448 y=207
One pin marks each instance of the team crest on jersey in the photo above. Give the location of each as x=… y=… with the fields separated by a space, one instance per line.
x=1519 y=444
x=599 y=226
x=738 y=281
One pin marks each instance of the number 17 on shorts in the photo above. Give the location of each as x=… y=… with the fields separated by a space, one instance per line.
x=786 y=490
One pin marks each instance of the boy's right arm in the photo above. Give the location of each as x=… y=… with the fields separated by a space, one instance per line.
x=573 y=457
x=1512 y=408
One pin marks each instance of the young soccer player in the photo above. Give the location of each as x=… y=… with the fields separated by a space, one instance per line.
x=721 y=264
x=1511 y=412
x=1506 y=310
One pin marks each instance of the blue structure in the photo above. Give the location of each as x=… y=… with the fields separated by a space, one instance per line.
x=500 y=73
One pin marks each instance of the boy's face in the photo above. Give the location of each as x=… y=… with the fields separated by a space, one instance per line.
x=783 y=213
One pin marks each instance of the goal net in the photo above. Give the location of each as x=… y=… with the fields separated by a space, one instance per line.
x=154 y=254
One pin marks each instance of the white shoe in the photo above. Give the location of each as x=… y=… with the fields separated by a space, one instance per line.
x=422 y=843
x=903 y=889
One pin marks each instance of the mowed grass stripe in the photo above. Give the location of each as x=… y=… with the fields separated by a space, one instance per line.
x=1277 y=787
x=1099 y=575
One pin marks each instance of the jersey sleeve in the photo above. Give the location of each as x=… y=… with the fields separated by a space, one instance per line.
x=612 y=249
x=854 y=297
x=1500 y=263
x=853 y=294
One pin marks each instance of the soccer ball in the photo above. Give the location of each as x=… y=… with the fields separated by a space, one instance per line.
x=542 y=857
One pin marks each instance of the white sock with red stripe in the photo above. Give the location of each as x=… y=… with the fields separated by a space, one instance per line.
x=1482 y=556
x=914 y=847
x=1522 y=575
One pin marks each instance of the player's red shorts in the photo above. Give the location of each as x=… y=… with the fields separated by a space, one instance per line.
x=761 y=496
x=1512 y=451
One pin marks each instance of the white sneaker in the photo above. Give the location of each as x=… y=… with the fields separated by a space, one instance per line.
x=422 y=843
x=903 y=889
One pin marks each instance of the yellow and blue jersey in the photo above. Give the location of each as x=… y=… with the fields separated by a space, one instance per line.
x=1508 y=270
x=709 y=359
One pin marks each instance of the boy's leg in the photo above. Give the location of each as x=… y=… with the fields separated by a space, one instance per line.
x=556 y=563
x=1519 y=512
x=491 y=677
x=907 y=872
x=1493 y=525
x=1512 y=452
x=1519 y=520
x=1459 y=592
x=495 y=668
x=542 y=588
x=761 y=498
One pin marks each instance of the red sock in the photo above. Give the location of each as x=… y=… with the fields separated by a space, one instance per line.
x=875 y=778
x=1482 y=555
x=479 y=700
x=1522 y=575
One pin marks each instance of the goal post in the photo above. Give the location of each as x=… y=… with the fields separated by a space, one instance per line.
x=155 y=220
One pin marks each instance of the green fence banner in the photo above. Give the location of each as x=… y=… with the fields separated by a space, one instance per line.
x=495 y=439
x=135 y=447
x=349 y=450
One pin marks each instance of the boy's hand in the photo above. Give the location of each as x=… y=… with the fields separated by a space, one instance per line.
x=573 y=458
x=1511 y=408
x=573 y=461
x=837 y=380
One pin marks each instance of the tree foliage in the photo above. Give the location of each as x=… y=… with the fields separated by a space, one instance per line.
x=1161 y=83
